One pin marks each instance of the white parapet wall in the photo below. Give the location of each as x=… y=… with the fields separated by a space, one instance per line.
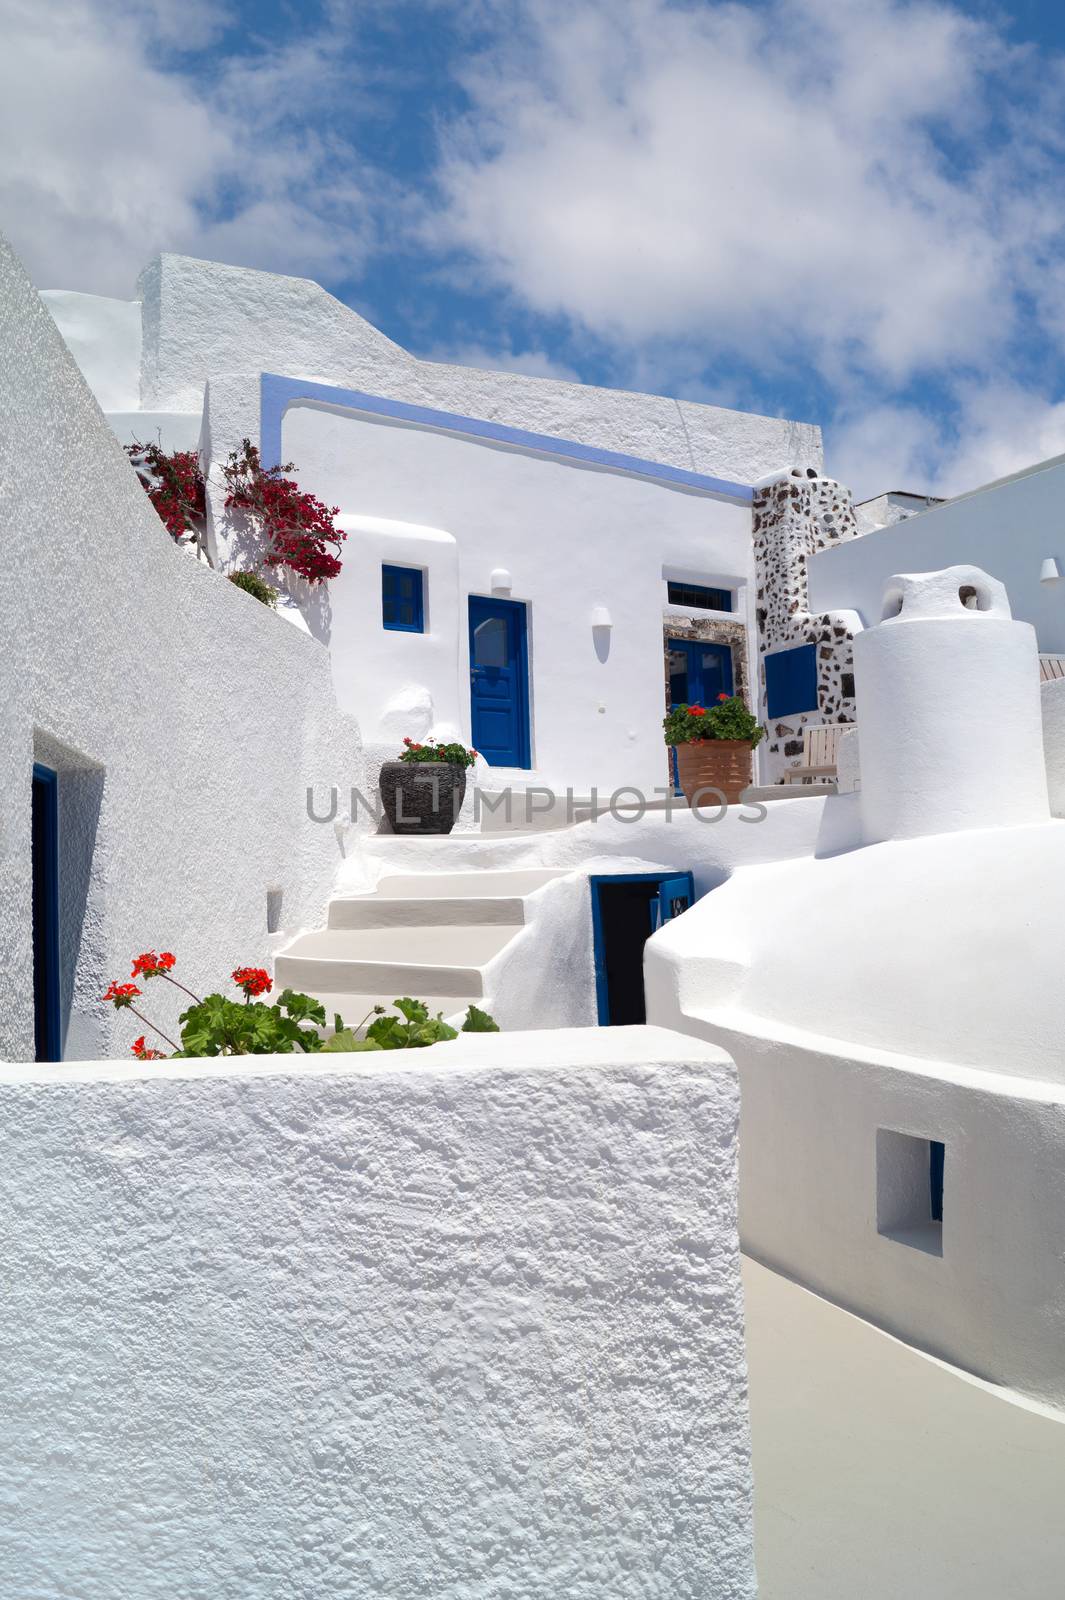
x=184 y=719
x=460 y=1322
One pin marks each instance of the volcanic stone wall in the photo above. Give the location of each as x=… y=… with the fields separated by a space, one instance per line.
x=796 y=515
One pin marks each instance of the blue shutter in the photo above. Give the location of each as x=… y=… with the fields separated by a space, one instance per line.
x=402 y=599
x=791 y=681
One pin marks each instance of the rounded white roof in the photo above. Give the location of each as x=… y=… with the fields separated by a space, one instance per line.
x=949 y=947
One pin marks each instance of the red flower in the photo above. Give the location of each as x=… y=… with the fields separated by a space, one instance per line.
x=697 y=711
x=406 y=741
x=123 y=994
x=724 y=697
x=142 y=1053
x=149 y=965
x=253 y=980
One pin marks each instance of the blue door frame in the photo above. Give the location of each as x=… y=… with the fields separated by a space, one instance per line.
x=499 y=681
x=44 y=839
x=676 y=893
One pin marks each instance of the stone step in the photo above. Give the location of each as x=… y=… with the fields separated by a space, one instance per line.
x=478 y=885
x=396 y=961
x=383 y=911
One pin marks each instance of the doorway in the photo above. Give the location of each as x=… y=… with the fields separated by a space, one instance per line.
x=698 y=673
x=626 y=910
x=44 y=846
x=499 y=681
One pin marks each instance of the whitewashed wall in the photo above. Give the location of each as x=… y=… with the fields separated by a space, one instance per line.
x=572 y=538
x=1008 y=529
x=185 y=718
x=203 y=320
x=466 y=1322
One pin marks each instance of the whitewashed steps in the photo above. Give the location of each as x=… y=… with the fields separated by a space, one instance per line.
x=427 y=935
x=417 y=961
x=367 y=911
x=477 y=885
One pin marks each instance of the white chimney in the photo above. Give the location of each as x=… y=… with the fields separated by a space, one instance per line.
x=948 y=710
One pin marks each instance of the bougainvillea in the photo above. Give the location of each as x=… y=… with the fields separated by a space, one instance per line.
x=297 y=530
x=175 y=487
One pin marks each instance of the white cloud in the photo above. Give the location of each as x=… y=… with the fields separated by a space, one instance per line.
x=996 y=428
x=502 y=358
x=805 y=180
x=108 y=158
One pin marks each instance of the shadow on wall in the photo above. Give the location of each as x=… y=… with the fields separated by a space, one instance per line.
x=81 y=967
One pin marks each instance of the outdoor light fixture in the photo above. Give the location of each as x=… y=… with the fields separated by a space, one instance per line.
x=1049 y=572
x=601 y=617
x=501 y=581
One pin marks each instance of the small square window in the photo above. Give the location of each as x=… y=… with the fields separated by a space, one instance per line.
x=791 y=681
x=909 y=1189
x=402 y=599
x=699 y=597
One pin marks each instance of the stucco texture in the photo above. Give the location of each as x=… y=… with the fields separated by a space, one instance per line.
x=203 y=320
x=466 y=1324
x=184 y=718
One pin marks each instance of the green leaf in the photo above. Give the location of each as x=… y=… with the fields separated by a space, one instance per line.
x=301 y=1006
x=345 y=1042
x=478 y=1021
x=413 y=1010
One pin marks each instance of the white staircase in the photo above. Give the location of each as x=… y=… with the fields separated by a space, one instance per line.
x=429 y=936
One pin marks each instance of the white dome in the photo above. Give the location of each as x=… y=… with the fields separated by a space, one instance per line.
x=950 y=947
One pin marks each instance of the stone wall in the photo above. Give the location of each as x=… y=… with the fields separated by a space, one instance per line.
x=795 y=516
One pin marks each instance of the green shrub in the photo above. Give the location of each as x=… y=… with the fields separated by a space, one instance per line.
x=727 y=719
x=251 y=583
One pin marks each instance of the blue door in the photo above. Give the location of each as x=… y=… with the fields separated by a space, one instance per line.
x=626 y=909
x=698 y=673
x=44 y=842
x=499 y=681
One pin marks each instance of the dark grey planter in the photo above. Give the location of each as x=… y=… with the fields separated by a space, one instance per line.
x=423 y=796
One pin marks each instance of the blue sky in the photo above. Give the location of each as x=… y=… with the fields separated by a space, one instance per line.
x=845 y=211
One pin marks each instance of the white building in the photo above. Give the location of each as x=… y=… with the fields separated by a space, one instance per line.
x=882 y=965
x=591 y=548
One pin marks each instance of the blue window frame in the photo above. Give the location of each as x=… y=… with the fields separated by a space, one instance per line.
x=47 y=1012
x=791 y=681
x=699 y=596
x=403 y=599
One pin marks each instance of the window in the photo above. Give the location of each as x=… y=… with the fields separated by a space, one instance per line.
x=909 y=1189
x=699 y=596
x=791 y=681
x=402 y=606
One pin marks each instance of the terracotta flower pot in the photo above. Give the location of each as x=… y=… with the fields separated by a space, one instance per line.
x=422 y=796
x=722 y=764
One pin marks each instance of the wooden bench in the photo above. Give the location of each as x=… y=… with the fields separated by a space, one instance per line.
x=819 y=747
x=1051 y=667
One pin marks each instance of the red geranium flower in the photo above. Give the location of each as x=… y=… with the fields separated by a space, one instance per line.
x=697 y=711
x=142 y=1052
x=122 y=994
x=724 y=697
x=149 y=965
x=253 y=980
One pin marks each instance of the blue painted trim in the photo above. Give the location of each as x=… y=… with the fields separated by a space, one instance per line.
x=520 y=611
x=791 y=681
x=417 y=598
x=47 y=997
x=277 y=393
x=602 y=992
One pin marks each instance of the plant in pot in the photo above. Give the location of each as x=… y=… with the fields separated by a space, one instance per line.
x=423 y=791
x=713 y=746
